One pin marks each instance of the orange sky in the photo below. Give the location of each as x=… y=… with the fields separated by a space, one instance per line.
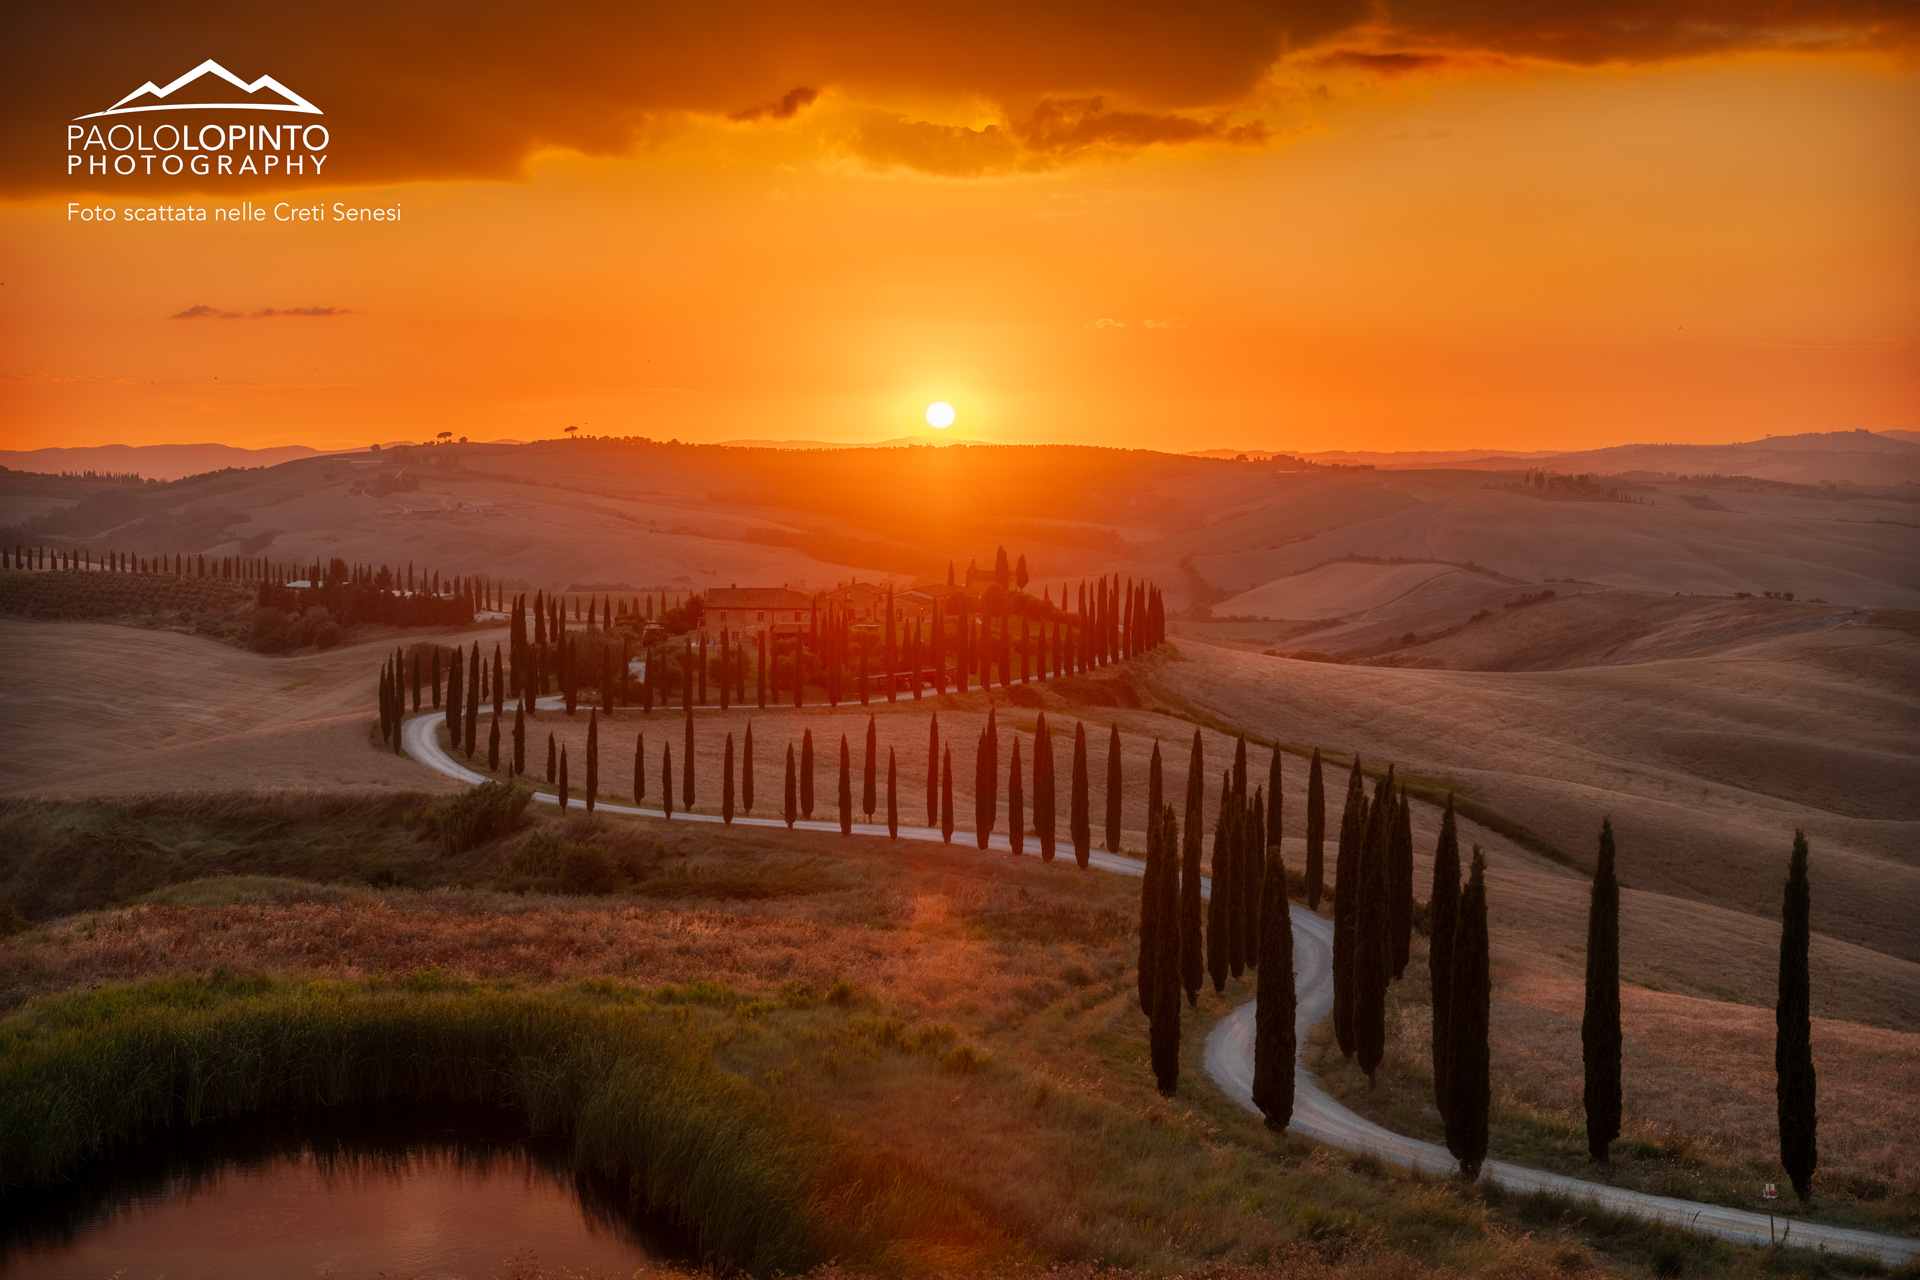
x=1258 y=250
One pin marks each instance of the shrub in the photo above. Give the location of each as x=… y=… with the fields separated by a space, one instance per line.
x=478 y=815
x=547 y=862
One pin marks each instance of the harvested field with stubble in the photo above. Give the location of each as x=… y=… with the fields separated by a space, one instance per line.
x=1697 y=1089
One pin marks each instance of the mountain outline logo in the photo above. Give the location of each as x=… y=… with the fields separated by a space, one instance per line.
x=294 y=102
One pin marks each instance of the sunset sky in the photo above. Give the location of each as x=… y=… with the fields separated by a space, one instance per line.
x=1303 y=227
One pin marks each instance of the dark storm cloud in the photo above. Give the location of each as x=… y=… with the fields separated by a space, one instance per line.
x=439 y=90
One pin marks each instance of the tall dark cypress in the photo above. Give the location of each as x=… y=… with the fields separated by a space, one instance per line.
x=1016 y=803
x=869 y=772
x=1444 y=916
x=1079 y=812
x=983 y=786
x=563 y=780
x=1220 y=903
x=1113 y=791
x=1147 y=970
x=933 y=770
x=455 y=701
x=639 y=767
x=1273 y=800
x=666 y=779
x=472 y=719
x=1316 y=833
x=519 y=742
x=790 y=809
x=1274 y=1042
x=846 y=787
x=1600 y=1023
x=746 y=769
x=1372 y=945
x=726 y=784
x=806 y=774
x=1251 y=881
x=1400 y=884
x=893 y=797
x=553 y=762
x=1045 y=817
x=1240 y=769
x=946 y=795
x=1164 y=1013
x=1346 y=894
x=1793 y=1029
x=1193 y=957
x=593 y=759
x=1469 y=1089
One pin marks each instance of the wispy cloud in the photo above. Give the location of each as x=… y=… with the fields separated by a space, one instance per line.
x=788 y=105
x=205 y=312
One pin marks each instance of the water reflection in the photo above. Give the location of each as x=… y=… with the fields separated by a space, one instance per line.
x=424 y=1193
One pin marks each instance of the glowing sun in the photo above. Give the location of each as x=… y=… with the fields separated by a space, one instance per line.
x=939 y=414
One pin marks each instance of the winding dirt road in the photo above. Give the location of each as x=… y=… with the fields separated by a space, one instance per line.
x=1229 y=1057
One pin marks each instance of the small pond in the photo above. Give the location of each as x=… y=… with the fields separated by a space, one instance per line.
x=421 y=1193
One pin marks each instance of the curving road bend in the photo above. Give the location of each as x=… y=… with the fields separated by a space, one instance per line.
x=1229 y=1057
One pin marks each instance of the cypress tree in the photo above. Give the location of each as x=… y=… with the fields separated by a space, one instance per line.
x=493 y=743
x=1372 y=946
x=746 y=769
x=893 y=797
x=1469 y=1089
x=1113 y=791
x=993 y=766
x=846 y=787
x=1273 y=1018
x=1273 y=802
x=1045 y=819
x=666 y=779
x=1316 y=833
x=1220 y=905
x=1600 y=1023
x=553 y=762
x=472 y=725
x=499 y=684
x=519 y=742
x=1400 y=885
x=933 y=771
x=1444 y=914
x=1793 y=1029
x=1252 y=878
x=726 y=784
x=1164 y=1026
x=1193 y=960
x=1147 y=971
x=806 y=774
x=1155 y=785
x=593 y=758
x=454 y=702
x=983 y=800
x=869 y=789
x=946 y=796
x=1346 y=893
x=790 y=810
x=1079 y=817
x=686 y=767
x=1016 y=804
x=1240 y=769
x=563 y=779
x=639 y=767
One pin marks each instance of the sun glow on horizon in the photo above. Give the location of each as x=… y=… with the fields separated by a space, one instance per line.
x=939 y=414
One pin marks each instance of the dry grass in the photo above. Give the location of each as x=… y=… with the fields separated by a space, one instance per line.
x=973 y=1015
x=1697 y=1084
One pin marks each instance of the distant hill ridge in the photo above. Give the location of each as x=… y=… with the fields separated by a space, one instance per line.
x=1859 y=456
